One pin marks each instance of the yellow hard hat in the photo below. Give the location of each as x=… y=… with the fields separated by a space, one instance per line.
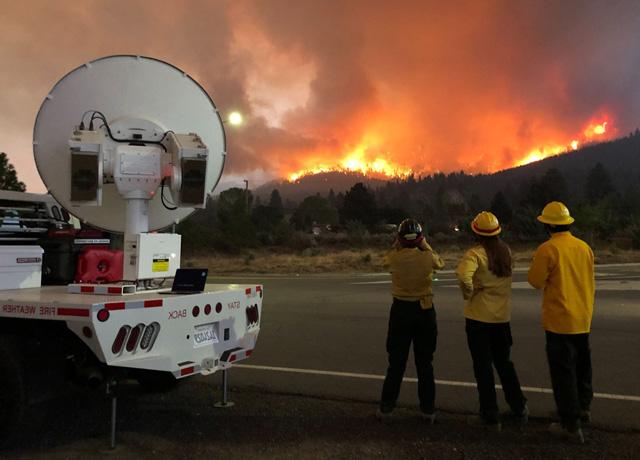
x=486 y=224
x=555 y=213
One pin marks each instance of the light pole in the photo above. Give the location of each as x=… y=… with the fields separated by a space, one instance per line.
x=246 y=194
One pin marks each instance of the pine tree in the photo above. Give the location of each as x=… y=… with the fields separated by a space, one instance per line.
x=275 y=201
x=8 y=177
x=359 y=205
x=332 y=197
x=500 y=207
x=598 y=184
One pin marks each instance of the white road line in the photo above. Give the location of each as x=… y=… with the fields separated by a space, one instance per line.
x=373 y=282
x=451 y=383
x=601 y=285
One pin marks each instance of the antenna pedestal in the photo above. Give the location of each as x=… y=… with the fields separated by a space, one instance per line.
x=137 y=217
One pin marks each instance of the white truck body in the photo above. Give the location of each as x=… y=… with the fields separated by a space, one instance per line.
x=186 y=334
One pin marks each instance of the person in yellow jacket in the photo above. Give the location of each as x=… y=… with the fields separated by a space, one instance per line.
x=412 y=317
x=563 y=267
x=485 y=274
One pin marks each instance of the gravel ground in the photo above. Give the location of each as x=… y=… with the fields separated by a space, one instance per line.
x=184 y=424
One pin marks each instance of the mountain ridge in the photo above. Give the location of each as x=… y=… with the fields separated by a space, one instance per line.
x=620 y=157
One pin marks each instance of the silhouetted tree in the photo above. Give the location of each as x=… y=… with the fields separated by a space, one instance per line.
x=314 y=209
x=552 y=186
x=197 y=230
x=234 y=225
x=275 y=202
x=266 y=220
x=359 y=205
x=475 y=204
x=8 y=177
x=598 y=184
x=500 y=207
x=332 y=198
x=390 y=215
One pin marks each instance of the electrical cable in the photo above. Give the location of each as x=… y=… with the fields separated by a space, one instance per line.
x=162 y=199
x=165 y=135
x=96 y=114
x=100 y=115
x=84 y=115
x=169 y=201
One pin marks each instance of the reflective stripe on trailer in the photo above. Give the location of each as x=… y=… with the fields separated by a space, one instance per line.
x=79 y=312
x=235 y=354
x=101 y=289
x=240 y=355
x=252 y=292
x=187 y=369
x=133 y=304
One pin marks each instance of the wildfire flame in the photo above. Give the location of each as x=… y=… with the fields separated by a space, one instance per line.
x=595 y=130
x=592 y=131
x=358 y=160
x=368 y=159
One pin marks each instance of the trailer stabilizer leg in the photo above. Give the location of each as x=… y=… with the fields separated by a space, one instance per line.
x=225 y=392
x=111 y=392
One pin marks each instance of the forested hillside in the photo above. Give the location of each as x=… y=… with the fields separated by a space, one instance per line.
x=600 y=183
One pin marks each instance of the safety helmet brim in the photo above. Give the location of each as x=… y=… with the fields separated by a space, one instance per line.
x=411 y=242
x=546 y=220
x=491 y=232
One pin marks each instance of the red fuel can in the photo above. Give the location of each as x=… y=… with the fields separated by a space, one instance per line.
x=99 y=266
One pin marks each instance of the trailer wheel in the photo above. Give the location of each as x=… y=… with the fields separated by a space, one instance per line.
x=14 y=404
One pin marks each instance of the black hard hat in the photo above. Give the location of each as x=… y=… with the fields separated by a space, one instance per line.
x=410 y=232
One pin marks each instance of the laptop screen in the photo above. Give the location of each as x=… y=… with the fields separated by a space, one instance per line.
x=190 y=280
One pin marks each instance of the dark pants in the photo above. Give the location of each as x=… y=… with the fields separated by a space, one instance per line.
x=410 y=323
x=569 y=359
x=490 y=345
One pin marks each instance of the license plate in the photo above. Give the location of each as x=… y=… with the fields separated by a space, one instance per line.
x=204 y=335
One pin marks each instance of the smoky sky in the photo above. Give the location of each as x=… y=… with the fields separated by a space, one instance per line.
x=427 y=85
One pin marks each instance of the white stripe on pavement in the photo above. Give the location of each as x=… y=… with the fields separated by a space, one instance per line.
x=601 y=285
x=451 y=383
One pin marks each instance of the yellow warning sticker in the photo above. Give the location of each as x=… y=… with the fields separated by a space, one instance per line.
x=160 y=265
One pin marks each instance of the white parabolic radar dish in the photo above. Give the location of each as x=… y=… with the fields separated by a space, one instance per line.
x=124 y=88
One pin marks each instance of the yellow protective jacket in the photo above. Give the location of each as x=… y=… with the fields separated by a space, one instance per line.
x=563 y=268
x=488 y=298
x=412 y=273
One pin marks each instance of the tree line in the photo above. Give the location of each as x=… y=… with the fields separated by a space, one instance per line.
x=605 y=211
x=444 y=203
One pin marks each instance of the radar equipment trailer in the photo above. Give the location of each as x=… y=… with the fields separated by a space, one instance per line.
x=128 y=145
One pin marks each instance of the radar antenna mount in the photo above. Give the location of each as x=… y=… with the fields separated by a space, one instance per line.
x=146 y=149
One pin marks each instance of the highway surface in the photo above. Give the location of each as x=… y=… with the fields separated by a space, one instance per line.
x=324 y=336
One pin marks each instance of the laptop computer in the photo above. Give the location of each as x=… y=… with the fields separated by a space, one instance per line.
x=188 y=281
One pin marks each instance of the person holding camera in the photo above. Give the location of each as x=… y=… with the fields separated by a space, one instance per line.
x=412 y=318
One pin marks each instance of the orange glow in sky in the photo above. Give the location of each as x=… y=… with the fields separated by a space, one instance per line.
x=431 y=86
x=362 y=158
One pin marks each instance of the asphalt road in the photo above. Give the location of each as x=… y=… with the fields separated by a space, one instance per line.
x=324 y=336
